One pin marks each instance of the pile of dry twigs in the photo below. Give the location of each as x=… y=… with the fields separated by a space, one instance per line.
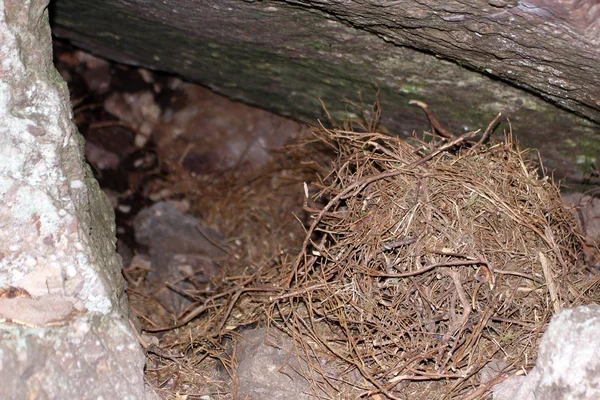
x=423 y=262
x=429 y=260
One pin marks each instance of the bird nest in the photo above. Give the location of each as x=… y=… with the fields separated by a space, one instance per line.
x=429 y=259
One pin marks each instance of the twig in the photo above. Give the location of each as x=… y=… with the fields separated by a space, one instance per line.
x=486 y=134
x=462 y=296
x=298 y=292
x=232 y=302
x=210 y=240
x=479 y=393
x=424 y=377
x=514 y=322
x=199 y=310
x=445 y=147
x=520 y=274
x=425 y=269
x=435 y=124
x=550 y=282
x=152 y=348
x=399 y=243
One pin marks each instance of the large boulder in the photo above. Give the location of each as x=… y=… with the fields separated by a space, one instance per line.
x=64 y=323
x=457 y=56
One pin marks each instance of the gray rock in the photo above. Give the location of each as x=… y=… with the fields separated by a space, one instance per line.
x=165 y=230
x=181 y=249
x=94 y=357
x=588 y=212
x=286 y=56
x=568 y=364
x=267 y=367
x=64 y=328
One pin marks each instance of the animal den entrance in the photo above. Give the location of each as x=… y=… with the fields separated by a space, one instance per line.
x=268 y=260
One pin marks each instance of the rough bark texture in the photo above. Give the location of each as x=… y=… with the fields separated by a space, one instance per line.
x=286 y=55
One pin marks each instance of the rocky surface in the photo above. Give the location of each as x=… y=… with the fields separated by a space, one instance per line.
x=64 y=326
x=90 y=357
x=287 y=56
x=568 y=363
x=182 y=252
x=587 y=209
x=268 y=367
x=207 y=133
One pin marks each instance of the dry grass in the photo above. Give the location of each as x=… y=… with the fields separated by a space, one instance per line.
x=422 y=261
x=429 y=260
x=260 y=213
